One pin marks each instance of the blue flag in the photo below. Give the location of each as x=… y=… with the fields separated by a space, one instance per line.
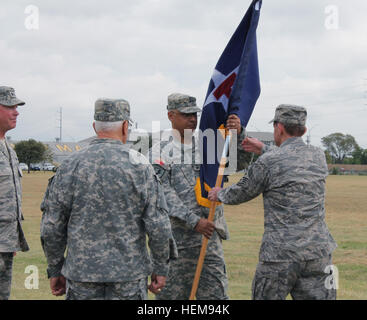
x=233 y=89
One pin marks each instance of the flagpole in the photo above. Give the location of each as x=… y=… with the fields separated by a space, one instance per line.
x=213 y=205
x=241 y=99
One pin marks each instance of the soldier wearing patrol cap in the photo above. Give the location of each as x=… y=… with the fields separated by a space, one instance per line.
x=11 y=234
x=100 y=206
x=177 y=163
x=296 y=250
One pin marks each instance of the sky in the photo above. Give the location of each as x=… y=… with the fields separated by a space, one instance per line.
x=67 y=54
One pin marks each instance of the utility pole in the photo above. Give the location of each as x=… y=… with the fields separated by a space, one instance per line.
x=60 y=124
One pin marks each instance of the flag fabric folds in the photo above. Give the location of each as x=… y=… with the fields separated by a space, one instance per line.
x=233 y=89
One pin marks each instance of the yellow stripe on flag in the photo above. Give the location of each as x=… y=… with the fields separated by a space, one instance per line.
x=222 y=130
x=199 y=198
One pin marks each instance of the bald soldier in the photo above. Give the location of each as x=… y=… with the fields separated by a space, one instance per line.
x=296 y=250
x=177 y=163
x=100 y=206
x=11 y=234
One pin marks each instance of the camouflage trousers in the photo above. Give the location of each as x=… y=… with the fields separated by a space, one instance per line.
x=6 y=264
x=130 y=290
x=213 y=282
x=304 y=280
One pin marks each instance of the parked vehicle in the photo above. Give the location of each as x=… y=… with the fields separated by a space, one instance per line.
x=35 y=167
x=23 y=166
x=48 y=167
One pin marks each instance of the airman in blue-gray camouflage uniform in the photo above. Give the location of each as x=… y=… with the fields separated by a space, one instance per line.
x=100 y=206
x=295 y=254
x=177 y=163
x=11 y=234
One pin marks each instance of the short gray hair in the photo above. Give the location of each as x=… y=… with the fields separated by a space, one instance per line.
x=107 y=125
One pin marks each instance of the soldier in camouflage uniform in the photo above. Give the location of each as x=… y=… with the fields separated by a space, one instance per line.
x=177 y=163
x=100 y=206
x=11 y=234
x=296 y=248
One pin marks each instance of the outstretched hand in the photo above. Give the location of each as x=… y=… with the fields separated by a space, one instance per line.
x=252 y=145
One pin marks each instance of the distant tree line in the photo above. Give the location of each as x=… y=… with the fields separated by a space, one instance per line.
x=339 y=149
x=343 y=149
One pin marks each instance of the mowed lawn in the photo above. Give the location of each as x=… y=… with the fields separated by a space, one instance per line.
x=346 y=215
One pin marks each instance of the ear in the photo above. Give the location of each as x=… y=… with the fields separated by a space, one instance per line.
x=125 y=131
x=94 y=127
x=281 y=128
x=170 y=115
x=125 y=128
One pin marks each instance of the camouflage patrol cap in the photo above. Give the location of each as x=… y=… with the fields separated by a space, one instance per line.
x=183 y=103
x=8 y=98
x=111 y=110
x=290 y=114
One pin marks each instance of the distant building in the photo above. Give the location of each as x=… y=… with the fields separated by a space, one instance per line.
x=61 y=150
x=265 y=137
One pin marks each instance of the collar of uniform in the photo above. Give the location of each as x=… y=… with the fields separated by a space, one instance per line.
x=293 y=140
x=187 y=146
x=105 y=140
x=181 y=145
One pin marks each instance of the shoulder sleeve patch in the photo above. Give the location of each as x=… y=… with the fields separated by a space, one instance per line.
x=161 y=170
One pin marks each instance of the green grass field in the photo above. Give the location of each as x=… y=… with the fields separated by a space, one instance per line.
x=346 y=215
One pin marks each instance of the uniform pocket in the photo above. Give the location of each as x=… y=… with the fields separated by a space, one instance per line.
x=5 y=173
x=161 y=200
x=265 y=289
x=6 y=217
x=76 y=290
x=130 y=290
x=189 y=174
x=265 y=285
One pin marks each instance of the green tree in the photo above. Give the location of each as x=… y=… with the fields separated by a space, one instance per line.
x=357 y=155
x=31 y=151
x=48 y=156
x=339 y=146
x=328 y=157
x=364 y=157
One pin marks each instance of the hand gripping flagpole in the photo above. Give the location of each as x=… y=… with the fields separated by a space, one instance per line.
x=213 y=205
